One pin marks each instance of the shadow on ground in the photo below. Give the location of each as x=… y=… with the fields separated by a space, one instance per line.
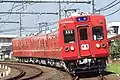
x=93 y=74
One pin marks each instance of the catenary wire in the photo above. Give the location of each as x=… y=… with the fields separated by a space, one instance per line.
x=108 y=5
x=113 y=12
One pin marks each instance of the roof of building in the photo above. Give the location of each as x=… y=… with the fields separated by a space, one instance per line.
x=115 y=23
x=8 y=36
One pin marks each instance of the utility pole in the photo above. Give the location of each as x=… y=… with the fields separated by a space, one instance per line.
x=59 y=10
x=20 y=28
x=93 y=6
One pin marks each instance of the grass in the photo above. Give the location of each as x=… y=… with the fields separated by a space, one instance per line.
x=114 y=67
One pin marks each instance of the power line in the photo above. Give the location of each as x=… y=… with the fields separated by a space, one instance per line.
x=113 y=12
x=27 y=28
x=9 y=30
x=69 y=8
x=28 y=13
x=48 y=24
x=8 y=22
x=108 y=5
x=25 y=1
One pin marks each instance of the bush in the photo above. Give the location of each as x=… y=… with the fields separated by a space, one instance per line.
x=115 y=49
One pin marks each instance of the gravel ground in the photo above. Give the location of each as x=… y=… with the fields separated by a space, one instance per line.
x=54 y=74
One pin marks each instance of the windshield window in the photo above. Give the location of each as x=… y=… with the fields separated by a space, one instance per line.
x=69 y=36
x=97 y=33
x=83 y=34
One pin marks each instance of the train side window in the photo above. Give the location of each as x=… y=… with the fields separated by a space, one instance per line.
x=98 y=33
x=83 y=34
x=69 y=36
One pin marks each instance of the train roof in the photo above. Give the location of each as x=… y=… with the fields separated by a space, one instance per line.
x=82 y=14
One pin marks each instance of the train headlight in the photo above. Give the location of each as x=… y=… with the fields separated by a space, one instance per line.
x=72 y=48
x=98 y=45
x=103 y=45
x=67 y=49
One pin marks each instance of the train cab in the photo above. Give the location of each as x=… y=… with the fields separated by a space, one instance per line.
x=84 y=39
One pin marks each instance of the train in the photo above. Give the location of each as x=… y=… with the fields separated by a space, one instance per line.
x=78 y=45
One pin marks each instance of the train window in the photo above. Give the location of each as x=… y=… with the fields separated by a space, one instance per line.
x=69 y=36
x=98 y=33
x=83 y=34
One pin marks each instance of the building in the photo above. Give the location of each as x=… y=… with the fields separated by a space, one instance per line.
x=5 y=45
x=113 y=29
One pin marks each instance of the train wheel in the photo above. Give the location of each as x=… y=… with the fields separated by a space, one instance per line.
x=52 y=63
x=39 y=62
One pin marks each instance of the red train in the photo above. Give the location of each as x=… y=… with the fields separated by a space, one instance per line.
x=79 y=45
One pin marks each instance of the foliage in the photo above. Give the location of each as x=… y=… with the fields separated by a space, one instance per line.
x=115 y=49
x=114 y=67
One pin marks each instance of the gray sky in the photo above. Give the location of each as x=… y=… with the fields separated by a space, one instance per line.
x=33 y=20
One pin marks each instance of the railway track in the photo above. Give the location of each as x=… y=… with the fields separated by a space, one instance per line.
x=49 y=73
x=26 y=71
x=95 y=78
x=106 y=76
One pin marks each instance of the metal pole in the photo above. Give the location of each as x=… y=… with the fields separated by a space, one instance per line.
x=59 y=10
x=20 y=29
x=40 y=28
x=93 y=6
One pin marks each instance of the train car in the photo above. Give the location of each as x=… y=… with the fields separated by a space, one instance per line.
x=78 y=45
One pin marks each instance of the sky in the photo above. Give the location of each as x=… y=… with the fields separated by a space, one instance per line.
x=30 y=23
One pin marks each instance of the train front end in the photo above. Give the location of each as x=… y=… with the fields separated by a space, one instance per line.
x=84 y=43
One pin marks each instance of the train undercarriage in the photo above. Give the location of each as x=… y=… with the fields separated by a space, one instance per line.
x=73 y=67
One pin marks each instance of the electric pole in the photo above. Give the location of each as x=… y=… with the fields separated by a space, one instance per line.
x=93 y=6
x=20 y=28
x=59 y=10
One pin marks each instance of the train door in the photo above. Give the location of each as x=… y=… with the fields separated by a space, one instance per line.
x=84 y=41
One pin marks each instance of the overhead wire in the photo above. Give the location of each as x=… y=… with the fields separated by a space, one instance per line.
x=108 y=5
x=113 y=12
x=54 y=22
x=9 y=30
x=13 y=7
